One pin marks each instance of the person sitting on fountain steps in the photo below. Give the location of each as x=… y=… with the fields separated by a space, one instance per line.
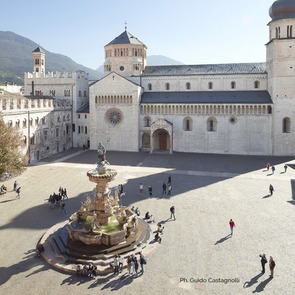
x=149 y=218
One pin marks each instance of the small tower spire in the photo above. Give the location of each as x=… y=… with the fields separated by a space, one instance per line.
x=125 y=25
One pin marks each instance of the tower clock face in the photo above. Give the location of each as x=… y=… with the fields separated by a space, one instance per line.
x=122 y=68
x=114 y=116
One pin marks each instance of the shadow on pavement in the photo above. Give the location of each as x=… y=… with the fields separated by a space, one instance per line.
x=28 y=262
x=262 y=285
x=223 y=239
x=253 y=281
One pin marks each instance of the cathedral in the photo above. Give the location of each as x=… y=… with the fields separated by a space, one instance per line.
x=238 y=108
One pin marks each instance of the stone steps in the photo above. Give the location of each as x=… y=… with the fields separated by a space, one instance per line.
x=59 y=255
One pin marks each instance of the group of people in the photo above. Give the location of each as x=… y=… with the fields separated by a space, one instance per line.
x=135 y=210
x=87 y=270
x=133 y=264
x=272 y=264
x=16 y=188
x=166 y=188
x=57 y=199
x=273 y=169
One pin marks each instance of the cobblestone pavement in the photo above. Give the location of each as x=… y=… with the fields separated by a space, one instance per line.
x=197 y=255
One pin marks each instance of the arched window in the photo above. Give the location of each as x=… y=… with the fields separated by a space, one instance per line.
x=256 y=84
x=233 y=85
x=32 y=139
x=188 y=85
x=212 y=125
x=147 y=121
x=286 y=125
x=24 y=139
x=269 y=110
x=24 y=123
x=278 y=32
x=167 y=86
x=210 y=85
x=150 y=86
x=187 y=124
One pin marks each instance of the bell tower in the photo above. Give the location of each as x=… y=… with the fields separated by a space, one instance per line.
x=39 y=60
x=280 y=66
x=280 y=49
x=125 y=55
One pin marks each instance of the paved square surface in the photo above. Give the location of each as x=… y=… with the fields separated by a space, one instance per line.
x=197 y=255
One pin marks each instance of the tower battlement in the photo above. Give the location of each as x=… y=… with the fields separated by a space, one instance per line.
x=57 y=75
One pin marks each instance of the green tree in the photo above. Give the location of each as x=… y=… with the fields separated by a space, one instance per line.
x=12 y=159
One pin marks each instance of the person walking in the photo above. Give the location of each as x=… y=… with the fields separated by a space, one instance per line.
x=273 y=169
x=267 y=166
x=121 y=263
x=140 y=189
x=271 y=189
x=129 y=264
x=285 y=167
x=18 y=193
x=272 y=265
x=172 y=212
x=135 y=263
x=263 y=262
x=62 y=208
x=169 y=189
x=65 y=194
x=14 y=186
x=164 y=189
x=116 y=265
x=151 y=191
x=169 y=179
x=142 y=262
x=231 y=225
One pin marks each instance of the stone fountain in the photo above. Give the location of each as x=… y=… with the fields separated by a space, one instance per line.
x=99 y=230
x=103 y=221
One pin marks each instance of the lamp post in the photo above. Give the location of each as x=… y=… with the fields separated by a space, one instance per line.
x=29 y=139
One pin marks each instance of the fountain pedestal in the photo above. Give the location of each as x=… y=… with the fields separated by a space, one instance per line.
x=103 y=221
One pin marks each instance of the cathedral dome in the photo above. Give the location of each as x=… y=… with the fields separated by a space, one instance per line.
x=281 y=9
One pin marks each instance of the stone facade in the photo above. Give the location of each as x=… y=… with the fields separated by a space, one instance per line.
x=245 y=108
x=44 y=123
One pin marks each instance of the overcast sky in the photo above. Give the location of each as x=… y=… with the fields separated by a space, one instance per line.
x=190 y=31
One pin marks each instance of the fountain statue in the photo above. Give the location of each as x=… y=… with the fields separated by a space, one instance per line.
x=103 y=221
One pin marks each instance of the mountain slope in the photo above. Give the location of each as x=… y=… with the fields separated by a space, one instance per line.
x=16 y=58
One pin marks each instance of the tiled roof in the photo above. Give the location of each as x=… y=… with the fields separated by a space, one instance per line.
x=125 y=38
x=214 y=69
x=212 y=97
x=39 y=49
x=84 y=109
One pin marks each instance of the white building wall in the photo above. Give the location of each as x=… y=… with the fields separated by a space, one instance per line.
x=35 y=117
x=114 y=93
x=200 y=82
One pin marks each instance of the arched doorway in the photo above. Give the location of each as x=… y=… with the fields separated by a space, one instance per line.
x=161 y=140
